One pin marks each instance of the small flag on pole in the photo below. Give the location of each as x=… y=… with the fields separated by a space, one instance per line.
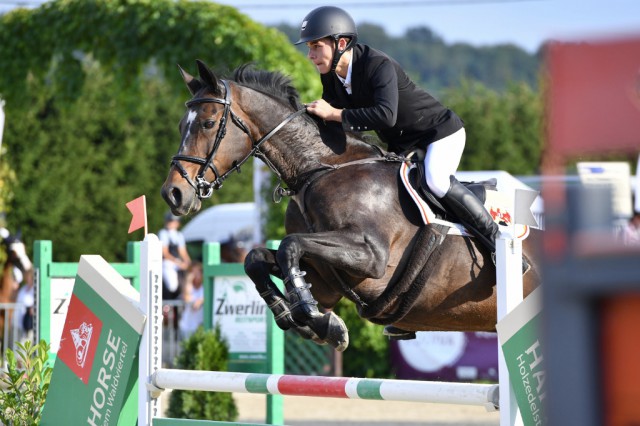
x=138 y=209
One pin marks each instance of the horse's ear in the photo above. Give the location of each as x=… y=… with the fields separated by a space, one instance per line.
x=192 y=83
x=206 y=75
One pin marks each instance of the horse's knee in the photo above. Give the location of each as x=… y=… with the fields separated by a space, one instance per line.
x=255 y=260
x=289 y=251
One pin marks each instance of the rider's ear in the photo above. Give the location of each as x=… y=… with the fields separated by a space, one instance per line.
x=192 y=83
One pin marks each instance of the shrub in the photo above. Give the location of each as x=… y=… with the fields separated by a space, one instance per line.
x=25 y=384
x=368 y=352
x=203 y=350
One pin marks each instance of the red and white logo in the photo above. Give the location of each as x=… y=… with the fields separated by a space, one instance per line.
x=80 y=339
x=500 y=217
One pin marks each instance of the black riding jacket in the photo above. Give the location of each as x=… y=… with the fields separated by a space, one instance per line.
x=385 y=99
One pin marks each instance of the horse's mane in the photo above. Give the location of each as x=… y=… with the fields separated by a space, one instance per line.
x=279 y=86
x=272 y=83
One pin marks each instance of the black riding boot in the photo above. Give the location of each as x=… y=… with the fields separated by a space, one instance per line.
x=471 y=212
x=474 y=216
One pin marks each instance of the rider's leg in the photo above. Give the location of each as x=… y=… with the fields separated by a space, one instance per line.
x=441 y=162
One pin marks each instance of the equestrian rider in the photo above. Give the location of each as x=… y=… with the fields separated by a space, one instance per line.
x=364 y=89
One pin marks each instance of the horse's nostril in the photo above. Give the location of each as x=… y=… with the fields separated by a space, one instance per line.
x=176 y=196
x=172 y=195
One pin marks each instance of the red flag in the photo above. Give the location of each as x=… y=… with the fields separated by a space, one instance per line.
x=138 y=209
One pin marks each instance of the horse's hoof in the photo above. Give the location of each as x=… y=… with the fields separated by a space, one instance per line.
x=337 y=332
x=308 y=334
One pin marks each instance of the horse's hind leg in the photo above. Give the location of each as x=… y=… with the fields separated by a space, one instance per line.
x=259 y=265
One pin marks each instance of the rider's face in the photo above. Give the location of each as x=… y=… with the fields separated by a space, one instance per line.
x=321 y=54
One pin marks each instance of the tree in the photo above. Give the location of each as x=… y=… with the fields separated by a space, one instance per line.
x=504 y=130
x=93 y=99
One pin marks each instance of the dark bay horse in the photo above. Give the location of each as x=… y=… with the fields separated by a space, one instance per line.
x=352 y=230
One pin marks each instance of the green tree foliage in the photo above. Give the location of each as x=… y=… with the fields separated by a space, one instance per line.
x=436 y=65
x=504 y=130
x=93 y=99
x=368 y=351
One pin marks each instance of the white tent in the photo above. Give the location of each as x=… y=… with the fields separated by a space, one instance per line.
x=219 y=223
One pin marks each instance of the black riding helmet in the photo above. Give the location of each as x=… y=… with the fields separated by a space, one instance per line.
x=329 y=21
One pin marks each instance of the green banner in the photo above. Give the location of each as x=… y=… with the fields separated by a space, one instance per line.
x=96 y=372
x=519 y=334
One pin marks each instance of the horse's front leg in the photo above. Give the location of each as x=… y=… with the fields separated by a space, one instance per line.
x=259 y=265
x=350 y=252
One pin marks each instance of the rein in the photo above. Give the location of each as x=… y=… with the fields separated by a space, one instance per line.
x=203 y=188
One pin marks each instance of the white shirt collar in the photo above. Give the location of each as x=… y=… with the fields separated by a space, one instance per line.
x=346 y=82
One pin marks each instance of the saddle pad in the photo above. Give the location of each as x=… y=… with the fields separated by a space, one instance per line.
x=496 y=203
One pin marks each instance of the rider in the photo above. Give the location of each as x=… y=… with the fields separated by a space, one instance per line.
x=365 y=89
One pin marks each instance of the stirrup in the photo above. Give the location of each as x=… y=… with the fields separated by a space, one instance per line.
x=525 y=265
x=395 y=333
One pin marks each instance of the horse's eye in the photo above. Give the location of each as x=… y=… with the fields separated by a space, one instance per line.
x=209 y=124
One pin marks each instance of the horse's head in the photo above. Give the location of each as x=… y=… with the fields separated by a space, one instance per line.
x=203 y=161
x=16 y=250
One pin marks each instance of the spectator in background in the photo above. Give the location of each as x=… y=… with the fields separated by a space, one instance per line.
x=631 y=232
x=175 y=258
x=193 y=296
x=26 y=312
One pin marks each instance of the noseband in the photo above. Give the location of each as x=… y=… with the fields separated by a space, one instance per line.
x=203 y=188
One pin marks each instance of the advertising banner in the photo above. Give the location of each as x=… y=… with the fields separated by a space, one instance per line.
x=519 y=335
x=95 y=374
x=451 y=356
x=241 y=314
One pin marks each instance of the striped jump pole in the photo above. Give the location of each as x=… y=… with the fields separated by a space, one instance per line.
x=485 y=395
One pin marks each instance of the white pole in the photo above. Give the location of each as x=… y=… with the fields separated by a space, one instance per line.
x=510 y=295
x=509 y=291
x=151 y=343
x=260 y=176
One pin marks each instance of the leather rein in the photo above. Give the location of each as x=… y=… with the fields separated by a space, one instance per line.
x=204 y=188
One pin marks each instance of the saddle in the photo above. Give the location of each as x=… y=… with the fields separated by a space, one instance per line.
x=418 y=183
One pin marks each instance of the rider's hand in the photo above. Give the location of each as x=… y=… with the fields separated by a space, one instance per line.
x=322 y=109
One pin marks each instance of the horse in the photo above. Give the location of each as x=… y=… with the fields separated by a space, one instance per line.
x=352 y=229
x=234 y=250
x=17 y=262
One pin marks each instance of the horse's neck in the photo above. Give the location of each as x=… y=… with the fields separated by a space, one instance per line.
x=298 y=151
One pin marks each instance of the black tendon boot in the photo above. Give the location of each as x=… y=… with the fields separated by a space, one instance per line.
x=328 y=326
x=472 y=214
x=303 y=306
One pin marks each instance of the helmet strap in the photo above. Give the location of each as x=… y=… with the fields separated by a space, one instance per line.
x=337 y=53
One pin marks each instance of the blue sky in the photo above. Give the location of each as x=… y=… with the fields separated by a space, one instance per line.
x=526 y=23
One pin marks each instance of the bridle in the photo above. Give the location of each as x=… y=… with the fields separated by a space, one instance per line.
x=203 y=188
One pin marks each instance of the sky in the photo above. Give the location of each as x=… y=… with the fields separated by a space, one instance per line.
x=525 y=23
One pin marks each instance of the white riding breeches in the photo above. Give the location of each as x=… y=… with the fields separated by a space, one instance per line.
x=442 y=160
